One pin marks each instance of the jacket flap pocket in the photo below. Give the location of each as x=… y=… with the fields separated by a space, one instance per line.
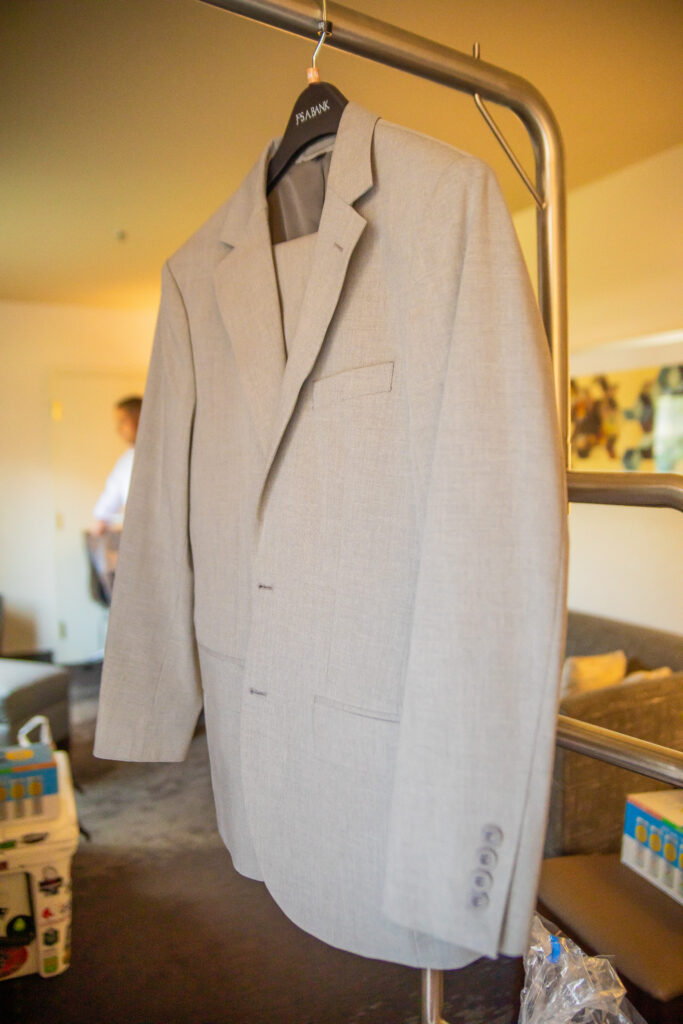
x=353 y=737
x=352 y=383
x=355 y=709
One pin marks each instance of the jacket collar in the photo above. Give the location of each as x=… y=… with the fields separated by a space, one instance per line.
x=350 y=174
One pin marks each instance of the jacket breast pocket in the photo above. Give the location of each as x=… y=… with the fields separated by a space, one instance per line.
x=352 y=383
x=354 y=737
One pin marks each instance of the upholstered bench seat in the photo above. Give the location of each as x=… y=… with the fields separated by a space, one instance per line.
x=30 y=688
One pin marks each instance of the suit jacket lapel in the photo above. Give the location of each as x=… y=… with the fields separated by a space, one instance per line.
x=246 y=291
x=339 y=230
x=246 y=283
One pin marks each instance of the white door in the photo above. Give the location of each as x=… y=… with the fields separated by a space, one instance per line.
x=85 y=447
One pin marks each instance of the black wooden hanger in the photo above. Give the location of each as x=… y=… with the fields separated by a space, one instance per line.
x=317 y=112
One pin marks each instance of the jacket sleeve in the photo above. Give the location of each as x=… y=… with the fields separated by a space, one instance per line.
x=151 y=693
x=476 y=737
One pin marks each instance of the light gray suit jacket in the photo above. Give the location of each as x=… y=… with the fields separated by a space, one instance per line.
x=355 y=558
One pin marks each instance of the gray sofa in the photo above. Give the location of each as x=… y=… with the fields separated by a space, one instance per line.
x=588 y=796
x=29 y=688
x=601 y=903
x=31 y=685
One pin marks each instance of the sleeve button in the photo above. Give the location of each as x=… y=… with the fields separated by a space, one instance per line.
x=487 y=857
x=479 y=900
x=481 y=880
x=492 y=835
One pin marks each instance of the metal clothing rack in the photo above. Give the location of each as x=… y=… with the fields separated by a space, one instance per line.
x=353 y=32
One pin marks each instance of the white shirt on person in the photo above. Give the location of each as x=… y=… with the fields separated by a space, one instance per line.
x=111 y=502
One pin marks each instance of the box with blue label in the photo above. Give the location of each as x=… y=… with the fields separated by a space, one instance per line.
x=35 y=877
x=652 y=842
x=28 y=783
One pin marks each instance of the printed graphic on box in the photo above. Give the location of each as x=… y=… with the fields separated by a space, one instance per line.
x=652 y=842
x=17 y=926
x=28 y=783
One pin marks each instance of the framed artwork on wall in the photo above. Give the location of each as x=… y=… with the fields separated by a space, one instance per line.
x=628 y=419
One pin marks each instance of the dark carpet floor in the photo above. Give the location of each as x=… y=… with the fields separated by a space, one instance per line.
x=166 y=932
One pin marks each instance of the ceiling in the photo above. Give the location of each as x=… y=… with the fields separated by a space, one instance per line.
x=125 y=123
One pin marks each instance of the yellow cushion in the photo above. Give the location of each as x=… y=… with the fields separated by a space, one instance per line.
x=591 y=672
x=644 y=674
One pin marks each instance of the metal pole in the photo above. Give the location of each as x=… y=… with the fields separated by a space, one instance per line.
x=659 y=489
x=650 y=759
x=432 y=996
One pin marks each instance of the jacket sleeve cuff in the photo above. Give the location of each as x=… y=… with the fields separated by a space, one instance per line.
x=158 y=726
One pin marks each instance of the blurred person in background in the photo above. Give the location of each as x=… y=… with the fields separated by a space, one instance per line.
x=110 y=506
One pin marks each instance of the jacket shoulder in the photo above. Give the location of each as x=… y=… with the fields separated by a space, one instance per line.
x=203 y=244
x=424 y=155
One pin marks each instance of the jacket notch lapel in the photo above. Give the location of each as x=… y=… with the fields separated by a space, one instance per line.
x=246 y=287
x=350 y=176
x=340 y=228
x=247 y=295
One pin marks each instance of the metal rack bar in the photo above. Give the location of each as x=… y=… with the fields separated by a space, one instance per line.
x=663 y=490
x=387 y=44
x=488 y=117
x=650 y=759
x=432 y=997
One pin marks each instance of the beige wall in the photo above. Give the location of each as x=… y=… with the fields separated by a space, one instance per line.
x=625 y=271
x=625 y=252
x=35 y=340
x=624 y=261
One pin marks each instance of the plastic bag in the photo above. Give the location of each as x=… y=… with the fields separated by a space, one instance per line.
x=565 y=986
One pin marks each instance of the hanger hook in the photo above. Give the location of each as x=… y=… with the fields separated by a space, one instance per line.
x=324 y=30
x=538 y=199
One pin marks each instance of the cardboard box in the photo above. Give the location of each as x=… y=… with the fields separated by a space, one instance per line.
x=35 y=883
x=28 y=783
x=652 y=842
